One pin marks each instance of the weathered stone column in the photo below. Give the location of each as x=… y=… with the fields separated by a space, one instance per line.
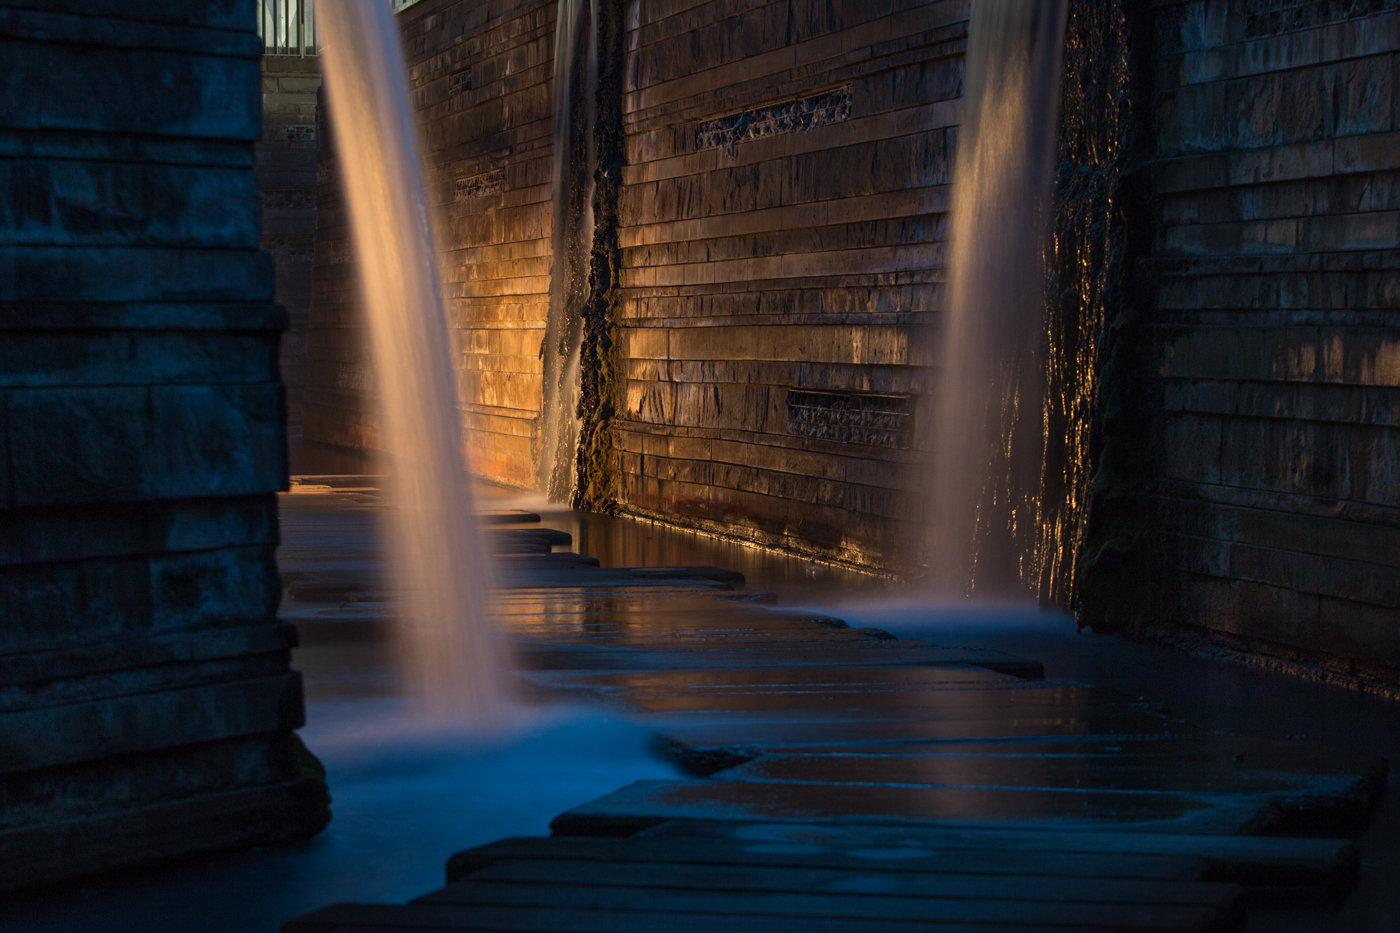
x=146 y=699
x=1246 y=500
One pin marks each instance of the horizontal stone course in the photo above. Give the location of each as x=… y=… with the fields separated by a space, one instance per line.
x=1274 y=324
x=1301 y=457
x=57 y=605
x=90 y=203
x=213 y=14
x=35 y=359
x=146 y=700
x=170 y=829
x=133 y=274
x=1297 y=49
x=76 y=532
x=161 y=93
x=88 y=789
x=106 y=443
x=123 y=34
x=147 y=722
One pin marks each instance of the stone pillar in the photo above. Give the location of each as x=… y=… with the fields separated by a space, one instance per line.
x=147 y=706
x=1248 y=490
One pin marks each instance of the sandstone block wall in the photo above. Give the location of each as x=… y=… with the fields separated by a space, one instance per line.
x=781 y=221
x=480 y=75
x=286 y=169
x=781 y=224
x=146 y=700
x=783 y=212
x=1275 y=175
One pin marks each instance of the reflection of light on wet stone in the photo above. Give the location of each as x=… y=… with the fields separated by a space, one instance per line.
x=901 y=852
x=779 y=848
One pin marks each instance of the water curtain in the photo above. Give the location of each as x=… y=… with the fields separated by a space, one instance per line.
x=987 y=433
x=453 y=657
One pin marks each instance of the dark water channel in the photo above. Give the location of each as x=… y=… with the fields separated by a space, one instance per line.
x=405 y=799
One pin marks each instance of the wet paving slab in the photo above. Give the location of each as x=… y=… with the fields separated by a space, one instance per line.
x=852 y=780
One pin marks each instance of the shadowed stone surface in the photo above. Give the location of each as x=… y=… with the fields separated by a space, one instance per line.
x=1248 y=485
x=147 y=706
x=286 y=175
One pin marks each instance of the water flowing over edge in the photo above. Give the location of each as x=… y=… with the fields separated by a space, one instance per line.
x=987 y=435
x=453 y=658
x=571 y=236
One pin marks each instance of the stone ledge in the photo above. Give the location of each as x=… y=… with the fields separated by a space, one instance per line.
x=266 y=815
x=57 y=144
x=158 y=93
x=59 y=735
x=175 y=316
x=116 y=655
x=130 y=529
x=211 y=14
x=88 y=29
x=134 y=274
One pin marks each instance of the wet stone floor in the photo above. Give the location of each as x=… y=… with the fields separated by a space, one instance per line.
x=715 y=734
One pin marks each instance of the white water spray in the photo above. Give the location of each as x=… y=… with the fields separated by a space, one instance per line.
x=987 y=431
x=454 y=661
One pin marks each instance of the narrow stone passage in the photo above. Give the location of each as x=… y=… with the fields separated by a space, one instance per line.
x=843 y=778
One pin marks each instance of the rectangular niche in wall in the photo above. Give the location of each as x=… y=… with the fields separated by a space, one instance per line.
x=851 y=417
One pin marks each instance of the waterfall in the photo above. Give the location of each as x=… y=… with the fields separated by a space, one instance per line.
x=1086 y=255
x=987 y=432
x=453 y=658
x=571 y=236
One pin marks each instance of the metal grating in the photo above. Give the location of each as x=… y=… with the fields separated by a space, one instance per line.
x=852 y=417
x=287 y=27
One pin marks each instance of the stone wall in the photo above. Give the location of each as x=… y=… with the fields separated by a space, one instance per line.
x=780 y=220
x=146 y=700
x=783 y=211
x=287 y=176
x=1269 y=303
x=781 y=216
x=480 y=74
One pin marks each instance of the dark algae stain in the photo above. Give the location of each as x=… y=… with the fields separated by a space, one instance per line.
x=597 y=487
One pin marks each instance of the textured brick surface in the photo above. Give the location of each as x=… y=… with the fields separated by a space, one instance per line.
x=146 y=704
x=1277 y=334
x=480 y=75
x=286 y=176
x=803 y=253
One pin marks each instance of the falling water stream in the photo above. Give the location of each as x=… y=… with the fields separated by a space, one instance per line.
x=453 y=660
x=575 y=93
x=987 y=432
